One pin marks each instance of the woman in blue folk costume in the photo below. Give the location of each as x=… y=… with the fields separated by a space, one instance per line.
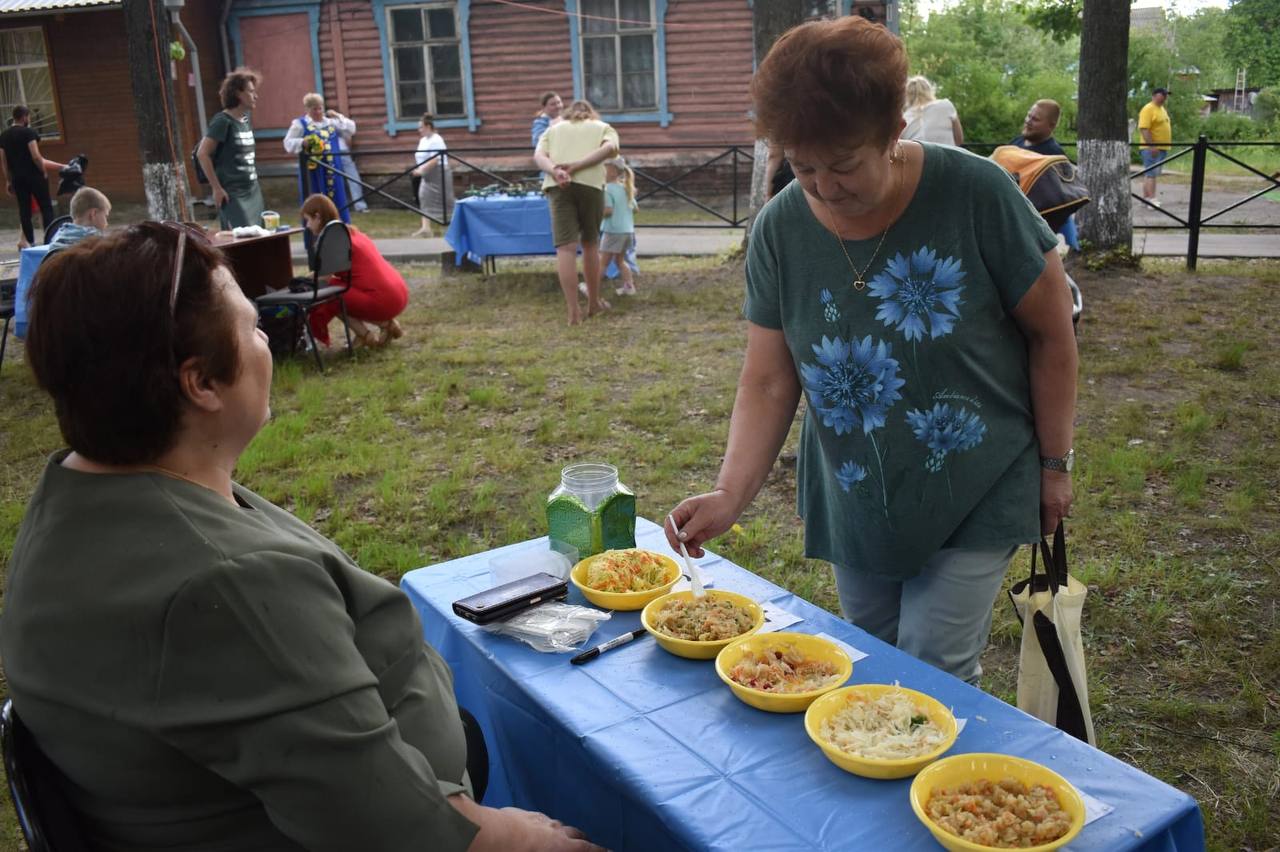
x=915 y=298
x=318 y=134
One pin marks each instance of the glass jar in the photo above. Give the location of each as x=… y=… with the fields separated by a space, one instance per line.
x=591 y=511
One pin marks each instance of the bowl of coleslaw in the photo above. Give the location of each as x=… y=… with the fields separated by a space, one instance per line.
x=879 y=730
x=978 y=802
x=625 y=579
x=697 y=628
x=782 y=672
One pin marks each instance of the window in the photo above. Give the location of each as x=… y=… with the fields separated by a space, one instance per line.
x=619 y=50
x=426 y=61
x=25 y=78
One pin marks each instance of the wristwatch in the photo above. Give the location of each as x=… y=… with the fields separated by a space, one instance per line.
x=1063 y=464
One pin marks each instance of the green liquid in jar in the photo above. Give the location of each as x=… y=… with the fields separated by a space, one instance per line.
x=611 y=526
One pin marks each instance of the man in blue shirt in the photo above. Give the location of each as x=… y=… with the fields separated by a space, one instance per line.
x=1038 y=127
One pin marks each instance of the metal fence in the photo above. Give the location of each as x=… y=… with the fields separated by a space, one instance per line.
x=704 y=178
x=710 y=179
x=1196 y=219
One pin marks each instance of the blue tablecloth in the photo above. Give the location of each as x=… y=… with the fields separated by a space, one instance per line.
x=643 y=750
x=500 y=225
x=27 y=266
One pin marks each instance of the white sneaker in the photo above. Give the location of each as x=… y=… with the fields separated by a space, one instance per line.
x=582 y=287
x=1155 y=201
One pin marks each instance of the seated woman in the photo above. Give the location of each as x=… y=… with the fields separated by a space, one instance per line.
x=206 y=671
x=378 y=293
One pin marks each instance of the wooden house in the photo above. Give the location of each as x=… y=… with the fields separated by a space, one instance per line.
x=663 y=72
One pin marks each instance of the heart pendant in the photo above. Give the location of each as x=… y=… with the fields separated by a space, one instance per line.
x=859 y=284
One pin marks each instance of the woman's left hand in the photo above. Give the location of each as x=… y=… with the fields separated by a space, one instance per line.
x=1055 y=499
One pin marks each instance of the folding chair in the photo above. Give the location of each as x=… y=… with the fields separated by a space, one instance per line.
x=47 y=819
x=331 y=256
x=8 y=303
x=52 y=230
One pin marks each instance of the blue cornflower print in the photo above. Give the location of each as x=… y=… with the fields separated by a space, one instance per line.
x=919 y=294
x=829 y=310
x=852 y=384
x=944 y=430
x=850 y=474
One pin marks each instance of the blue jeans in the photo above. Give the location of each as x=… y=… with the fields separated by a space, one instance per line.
x=941 y=616
x=1153 y=158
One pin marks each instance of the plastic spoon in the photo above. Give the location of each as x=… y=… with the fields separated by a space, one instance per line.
x=695 y=577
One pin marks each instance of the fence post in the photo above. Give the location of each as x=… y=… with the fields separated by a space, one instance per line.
x=735 y=186
x=1197 y=199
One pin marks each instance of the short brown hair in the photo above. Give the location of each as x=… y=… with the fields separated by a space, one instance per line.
x=20 y=112
x=320 y=205
x=1052 y=111
x=831 y=82
x=87 y=198
x=546 y=96
x=428 y=119
x=103 y=344
x=234 y=84
x=580 y=111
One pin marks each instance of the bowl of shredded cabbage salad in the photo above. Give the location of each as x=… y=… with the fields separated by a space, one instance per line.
x=782 y=672
x=880 y=730
x=697 y=628
x=625 y=579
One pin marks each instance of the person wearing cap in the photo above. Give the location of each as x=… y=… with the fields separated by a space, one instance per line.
x=1157 y=133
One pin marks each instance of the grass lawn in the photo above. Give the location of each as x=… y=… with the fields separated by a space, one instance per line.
x=448 y=442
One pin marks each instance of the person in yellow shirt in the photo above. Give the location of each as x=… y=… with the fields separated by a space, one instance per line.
x=1157 y=133
x=571 y=154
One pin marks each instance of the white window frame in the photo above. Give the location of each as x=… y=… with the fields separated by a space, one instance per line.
x=426 y=44
x=618 y=33
x=53 y=83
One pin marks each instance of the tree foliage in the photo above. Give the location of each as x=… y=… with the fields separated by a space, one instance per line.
x=1253 y=39
x=993 y=64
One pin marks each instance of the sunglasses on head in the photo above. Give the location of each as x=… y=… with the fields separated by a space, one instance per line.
x=185 y=231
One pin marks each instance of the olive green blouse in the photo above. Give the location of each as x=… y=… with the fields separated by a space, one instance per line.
x=218 y=677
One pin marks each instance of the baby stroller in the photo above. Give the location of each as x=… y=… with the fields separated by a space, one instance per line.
x=1050 y=184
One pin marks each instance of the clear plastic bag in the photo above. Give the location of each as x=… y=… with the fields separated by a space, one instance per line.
x=552 y=628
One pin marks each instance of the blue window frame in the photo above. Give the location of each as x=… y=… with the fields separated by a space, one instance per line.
x=278 y=7
x=619 y=54
x=426 y=62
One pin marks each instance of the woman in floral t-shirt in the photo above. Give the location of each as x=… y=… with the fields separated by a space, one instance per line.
x=916 y=299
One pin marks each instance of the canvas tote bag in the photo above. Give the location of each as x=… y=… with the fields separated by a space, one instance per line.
x=1052 y=685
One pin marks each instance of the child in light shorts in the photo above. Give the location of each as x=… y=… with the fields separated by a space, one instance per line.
x=619 y=221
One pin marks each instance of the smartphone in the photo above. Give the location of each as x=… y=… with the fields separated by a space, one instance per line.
x=510 y=598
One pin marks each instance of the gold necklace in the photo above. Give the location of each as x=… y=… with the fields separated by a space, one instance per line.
x=859 y=278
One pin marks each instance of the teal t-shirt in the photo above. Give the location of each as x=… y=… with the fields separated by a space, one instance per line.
x=918 y=432
x=621 y=220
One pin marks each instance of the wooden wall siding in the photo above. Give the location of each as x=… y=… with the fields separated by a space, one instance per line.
x=517 y=54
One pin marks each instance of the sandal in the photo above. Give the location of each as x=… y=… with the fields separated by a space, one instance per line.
x=392 y=330
x=369 y=339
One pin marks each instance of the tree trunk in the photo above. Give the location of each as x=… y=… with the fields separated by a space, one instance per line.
x=769 y=19
x=1102 y=123
x=147 y=30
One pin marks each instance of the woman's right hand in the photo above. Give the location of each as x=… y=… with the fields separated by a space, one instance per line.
x=544 y=834
x=220 y=198
x=701 y=519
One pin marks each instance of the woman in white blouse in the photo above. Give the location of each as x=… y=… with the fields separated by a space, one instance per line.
x=929 y=119
x=435 y=192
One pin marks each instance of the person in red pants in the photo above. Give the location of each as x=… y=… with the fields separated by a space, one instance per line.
x=378 y=293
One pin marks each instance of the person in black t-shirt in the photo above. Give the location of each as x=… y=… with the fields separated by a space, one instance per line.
x=24 y=170
x=1038 y=127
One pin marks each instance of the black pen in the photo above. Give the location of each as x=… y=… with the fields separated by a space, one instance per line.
x=607 y=646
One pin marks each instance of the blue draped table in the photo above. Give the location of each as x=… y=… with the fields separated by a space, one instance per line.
x=29 y=261
x=643 y=750
x=483 y=228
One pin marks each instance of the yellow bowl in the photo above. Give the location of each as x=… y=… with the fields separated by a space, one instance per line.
x=811 y=647
x=871 y=767
x=967 y=768
x=624 y=600
x=690 y=648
